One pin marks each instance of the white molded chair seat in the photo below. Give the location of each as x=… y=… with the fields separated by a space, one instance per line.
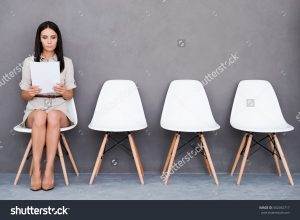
x=72 y=113
x=256 y=108
x=22 y=129
x=119 y=108
x=187 y=108
x=73 y=117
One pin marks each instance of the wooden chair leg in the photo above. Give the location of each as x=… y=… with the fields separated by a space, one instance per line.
x=70 y=154
x=207 y=165
x=98 y=168
x=211 y=165
x=137 y=152
x=205 y=159
x=99 y=158
x=173 y=154
x=244 y=159
x=62 y=162
x=284 y=162
x=237 y=158
x=136 y=158
x=31 y=168
x=28 y=148
x=275 y=156
x=169 y=154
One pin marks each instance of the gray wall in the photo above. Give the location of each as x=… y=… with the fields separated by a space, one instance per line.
x=137 y=39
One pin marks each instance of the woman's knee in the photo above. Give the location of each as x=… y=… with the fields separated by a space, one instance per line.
x=53 y=118
x=39 y=118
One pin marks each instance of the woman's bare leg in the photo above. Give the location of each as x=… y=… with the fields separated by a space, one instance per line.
x=55 y=120
x=37 y=121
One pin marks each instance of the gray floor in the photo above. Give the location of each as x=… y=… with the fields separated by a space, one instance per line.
x=180 y=187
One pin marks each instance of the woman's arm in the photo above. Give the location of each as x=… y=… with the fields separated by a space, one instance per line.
x=68 y=94
x=66 y=89
x=30 y=93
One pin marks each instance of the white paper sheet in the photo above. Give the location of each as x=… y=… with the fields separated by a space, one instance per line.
x=45 y=75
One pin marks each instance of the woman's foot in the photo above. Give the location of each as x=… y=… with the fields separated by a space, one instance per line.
x=36 y=180
x=48 y=179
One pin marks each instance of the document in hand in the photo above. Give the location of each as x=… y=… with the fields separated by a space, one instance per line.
x=45 y=75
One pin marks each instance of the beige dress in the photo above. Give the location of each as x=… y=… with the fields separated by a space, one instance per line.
x=47 y=104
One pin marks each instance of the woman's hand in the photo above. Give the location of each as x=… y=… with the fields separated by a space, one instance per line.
x=33 y=91
x=30 y=93
x=59 y=88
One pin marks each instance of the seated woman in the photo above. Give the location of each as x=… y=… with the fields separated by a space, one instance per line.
x=45 y=114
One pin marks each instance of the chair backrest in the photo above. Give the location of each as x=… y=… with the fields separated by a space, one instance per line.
x=256 y=106
x=119 y=108
x=186 y=107
x=71 y=108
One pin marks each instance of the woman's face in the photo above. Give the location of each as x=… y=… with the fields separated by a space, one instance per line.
x=49 y=40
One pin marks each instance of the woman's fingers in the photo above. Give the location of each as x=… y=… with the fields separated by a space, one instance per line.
x=59 y=88
x=34 y=90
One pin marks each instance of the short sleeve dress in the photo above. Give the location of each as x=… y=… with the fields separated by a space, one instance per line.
x=41 y=103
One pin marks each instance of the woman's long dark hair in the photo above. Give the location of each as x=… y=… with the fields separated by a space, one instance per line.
x=38 y=47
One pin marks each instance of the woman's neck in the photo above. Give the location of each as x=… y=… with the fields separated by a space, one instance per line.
x=48 y=54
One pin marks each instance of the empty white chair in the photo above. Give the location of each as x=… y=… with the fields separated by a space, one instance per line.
x=119 y=109
x=256 y=109
x=73 y=117
x=186 y=109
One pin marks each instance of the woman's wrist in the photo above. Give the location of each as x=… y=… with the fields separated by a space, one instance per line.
x=26 y=96
x=67 y=94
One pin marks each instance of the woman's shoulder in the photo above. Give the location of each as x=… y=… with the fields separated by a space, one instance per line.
x=67 y=60
x=29 y=59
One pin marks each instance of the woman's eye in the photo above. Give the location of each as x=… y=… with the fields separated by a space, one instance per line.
x=53 y=38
